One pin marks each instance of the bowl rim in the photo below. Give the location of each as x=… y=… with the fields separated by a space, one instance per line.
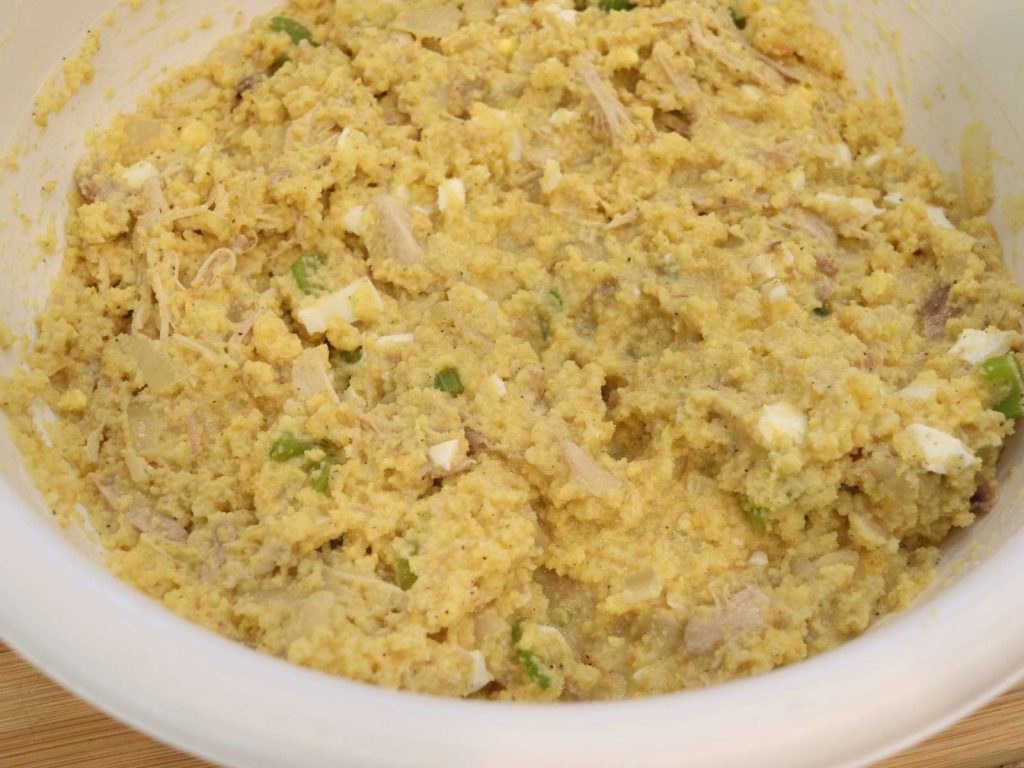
x=213 y=697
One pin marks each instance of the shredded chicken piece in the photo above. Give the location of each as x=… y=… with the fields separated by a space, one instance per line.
x=310 y=374
x=623 y=219
x=686 y=86
x=613 y=115
x=594 y=478
x=742 y=613
x=935 y=311
x=202 y=350
x=144 y=519
x=143 y=307
x=148 y=521
x=395 y=226
x=744 y=65
x=826 y=266
x=222 y=260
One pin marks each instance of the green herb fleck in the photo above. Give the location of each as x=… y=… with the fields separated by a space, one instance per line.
x=739 y=21
x=352 y=356
x=404 y=577
x=320 y=473
x=448 y=380
x=532 y=666
x=517 y=631
x=822 y=311
x=296 y=31
x=279 y=62
x=755 y=515
x=615 y=5
x=304 y=270
x=1006 y=382
x=556 y=299
x=288 y=446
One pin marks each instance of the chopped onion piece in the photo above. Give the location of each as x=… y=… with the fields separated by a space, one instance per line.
x=592 y=477
x=160 y=372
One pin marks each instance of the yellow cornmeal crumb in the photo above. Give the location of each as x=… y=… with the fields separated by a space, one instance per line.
x=76 y=72
x=521 y=352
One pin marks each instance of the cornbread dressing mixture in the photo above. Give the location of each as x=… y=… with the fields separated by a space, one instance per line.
x=523 y=352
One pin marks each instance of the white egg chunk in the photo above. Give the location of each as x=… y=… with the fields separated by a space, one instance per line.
x=894 y=199
x=396 y=339
x=781 y=424
x=938 y=217
x=479 y=674
x=919 y=390
x=976 y=346
x=443 y=454
x=349 y=305
x=943 y=454
x=451 y=194
x=862 y=205
x=499 y=385
x=353 y=220
x=136 y=176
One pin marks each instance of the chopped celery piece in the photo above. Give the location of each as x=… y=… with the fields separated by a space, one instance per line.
x=404 y=577
x=296 y=31
x=533 y=668
x=1006 y=382
x=288 y=446
x=755 y=515
x=304 y=270
x=448 y=380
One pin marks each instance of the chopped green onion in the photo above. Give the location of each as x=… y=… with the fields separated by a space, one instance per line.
x=517 y=631
x=303 y=270
x=755 y=515
x=556 y=299
x=615 y=5
x=320 y=473
x=449 y=381
x=288 y=446
x=352 y=356
x=739 y=21
x=1006 y=382
x=296 y=31
x=404 y=577
x=533 y=668
x=822 y=311
x=279 y=62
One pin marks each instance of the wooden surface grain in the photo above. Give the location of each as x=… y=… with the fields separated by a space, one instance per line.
x=42 y=726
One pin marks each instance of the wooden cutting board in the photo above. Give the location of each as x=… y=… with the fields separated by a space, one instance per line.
x=42 y=726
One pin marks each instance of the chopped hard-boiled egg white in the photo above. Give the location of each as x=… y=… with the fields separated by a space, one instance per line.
x=479 y=675
x=353 y=221
x=862 y=205
x=776 y=292
x=938 y=217
x=552 y=176
x=451 y=194
x=872 y=161
x=349 y=304
x=443 y=454
x=895 y=199
x=499 y=385
x=919 y=390
x=395 y=339
x=758 y=559
x=844 y=156
x=782 y=423
x=136 y=176
x=976 y=346
x=942 y=453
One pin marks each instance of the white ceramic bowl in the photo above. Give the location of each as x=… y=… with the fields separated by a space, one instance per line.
x=962 y=644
